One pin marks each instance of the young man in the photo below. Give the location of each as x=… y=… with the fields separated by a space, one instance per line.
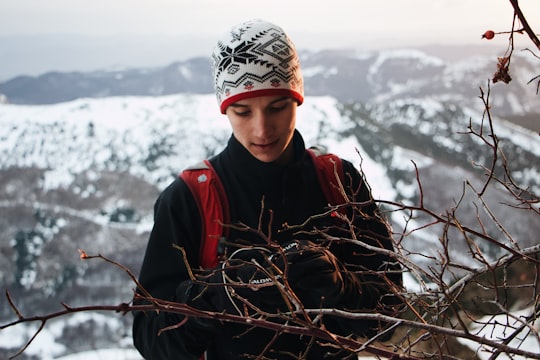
x=271 y=184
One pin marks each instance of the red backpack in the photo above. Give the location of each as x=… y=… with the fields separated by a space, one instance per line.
x=213 y=205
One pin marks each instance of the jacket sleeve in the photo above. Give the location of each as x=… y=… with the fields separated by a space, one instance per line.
x=373 y=276
x=176 y=221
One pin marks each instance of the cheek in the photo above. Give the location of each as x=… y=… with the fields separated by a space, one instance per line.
x=291 y=124
x=235 y=125
x=240 y=131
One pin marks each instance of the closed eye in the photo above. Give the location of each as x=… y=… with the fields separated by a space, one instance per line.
x=275 y=109
x=242 y=113
x=280 y=105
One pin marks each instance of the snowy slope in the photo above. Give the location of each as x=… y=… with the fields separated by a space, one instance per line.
x=149 y=137
x=116 y=132
x=152 y=138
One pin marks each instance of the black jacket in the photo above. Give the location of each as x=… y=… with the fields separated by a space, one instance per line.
x=293 y=193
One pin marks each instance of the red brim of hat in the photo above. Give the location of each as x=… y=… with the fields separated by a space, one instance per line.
x=262 y=92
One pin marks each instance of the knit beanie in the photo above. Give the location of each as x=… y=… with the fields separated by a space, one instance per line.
x=256 y=58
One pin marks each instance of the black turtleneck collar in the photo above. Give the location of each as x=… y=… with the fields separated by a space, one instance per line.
x=247 y=165
x=290 y=191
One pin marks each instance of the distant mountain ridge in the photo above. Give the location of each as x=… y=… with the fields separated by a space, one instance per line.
x=349 y=76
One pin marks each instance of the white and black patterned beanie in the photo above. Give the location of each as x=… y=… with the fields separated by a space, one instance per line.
x=256 y=58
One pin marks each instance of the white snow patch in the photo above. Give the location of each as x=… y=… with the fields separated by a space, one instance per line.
x=499 y=327
x=105 y=354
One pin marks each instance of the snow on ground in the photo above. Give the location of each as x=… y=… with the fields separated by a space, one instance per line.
x=47 y=346
x=105 y=354
x=501 y=327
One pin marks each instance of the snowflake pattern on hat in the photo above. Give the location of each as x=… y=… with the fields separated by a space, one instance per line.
x=256 y=58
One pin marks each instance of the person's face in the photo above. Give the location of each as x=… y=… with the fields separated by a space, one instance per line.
x=265 y=126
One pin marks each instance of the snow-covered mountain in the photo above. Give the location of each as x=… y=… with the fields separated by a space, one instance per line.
x=83 y=174
x=447 y=74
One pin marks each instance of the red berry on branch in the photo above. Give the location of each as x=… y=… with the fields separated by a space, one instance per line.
x=83 y=255
x=488 y=35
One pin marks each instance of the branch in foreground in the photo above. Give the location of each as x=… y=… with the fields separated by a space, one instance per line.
x=322 y=334
x=292 y=326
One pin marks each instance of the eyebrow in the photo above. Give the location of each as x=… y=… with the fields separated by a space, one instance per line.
x=237 y=105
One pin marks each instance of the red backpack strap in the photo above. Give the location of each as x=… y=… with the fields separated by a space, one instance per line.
x=209 y=194
x=329 y=169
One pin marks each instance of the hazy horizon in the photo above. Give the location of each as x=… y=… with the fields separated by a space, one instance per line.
x=62 y=35
x=34 y=55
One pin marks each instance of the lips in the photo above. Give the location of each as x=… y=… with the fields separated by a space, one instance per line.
x=266 y=145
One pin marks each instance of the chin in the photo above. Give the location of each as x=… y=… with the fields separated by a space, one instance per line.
x=266 y=159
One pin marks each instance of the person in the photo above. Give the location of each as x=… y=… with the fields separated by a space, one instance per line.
x=270 y=183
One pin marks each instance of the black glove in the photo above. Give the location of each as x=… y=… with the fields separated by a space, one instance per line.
x=313 y=272
x=253 y=280
x=243 y=284
x=197 y=331
x=320 y=280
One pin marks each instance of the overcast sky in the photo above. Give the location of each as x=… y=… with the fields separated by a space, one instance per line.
x=312 y=24
x=397 y=20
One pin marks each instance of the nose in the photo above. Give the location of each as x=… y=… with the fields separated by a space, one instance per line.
x=262 y=126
